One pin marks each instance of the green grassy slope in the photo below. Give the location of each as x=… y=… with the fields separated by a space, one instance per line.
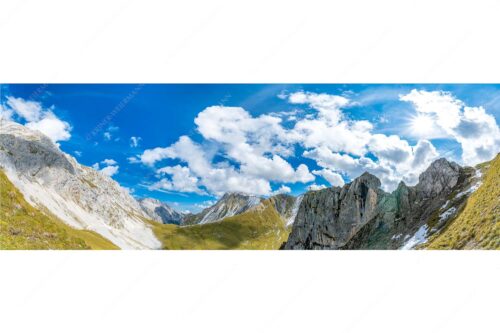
x=24 y=227
x=259 y=229
x=478 y=225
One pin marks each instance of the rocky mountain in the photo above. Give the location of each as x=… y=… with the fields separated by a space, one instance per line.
x=477 y=224
x=260 y=227
x=160 y=211
x=362 y=216
x=80 y=196
x=287 y=206
x=50 y=201
x=229 y=205
x=24 y=227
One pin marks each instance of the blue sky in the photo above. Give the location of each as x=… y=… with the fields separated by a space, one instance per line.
x=259 y=138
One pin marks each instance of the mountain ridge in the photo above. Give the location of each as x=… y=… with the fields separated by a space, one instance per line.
x=80 y=196
x=362 y=215
x=358 y=215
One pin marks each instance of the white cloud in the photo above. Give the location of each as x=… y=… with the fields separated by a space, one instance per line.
x=182 y=180
x=328 y=105
x=56 y=129
x=217 y=178
x=390 y=169
x=134 y=141
x=37 y=118
x=31 y=111
x=109 y=161
x=133 y=160
x=110 y=167
x=440 y=114
x=340 y=145
x=329 y=127
x=110 y=171
x=241 y=152
x=107 y=136
x=315 y=187
x=6 y=113
x=78 y=153
x=334 y=178
x=255 y=143
x=282 y=190
x=151 y=156
x=253 y=149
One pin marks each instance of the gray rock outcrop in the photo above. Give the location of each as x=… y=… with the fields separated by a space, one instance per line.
x=229 y=205
x=160 y=212
x=78 y=195
x=360 y=215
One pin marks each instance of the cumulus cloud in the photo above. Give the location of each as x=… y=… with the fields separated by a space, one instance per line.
x=109 y=167
x=246 y=153
x=36 y=117
x=254 y=151
x=334 y=178
x=329 y=127
x=182 y=180
x=110 y=170
x=315 y=187
x=439 y=113
x=282 y=190
x=341 y=145
x=329 y=106
x=6 y=113
x=109 y=161
x=217 y=178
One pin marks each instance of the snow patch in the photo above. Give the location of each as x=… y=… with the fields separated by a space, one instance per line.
x=445 y=215
x=295 y=210
x=474 y=187
x=420 y=237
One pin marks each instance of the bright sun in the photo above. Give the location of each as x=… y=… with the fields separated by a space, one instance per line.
x=422 y=125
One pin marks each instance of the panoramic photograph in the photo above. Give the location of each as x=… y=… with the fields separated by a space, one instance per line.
x=249 y=166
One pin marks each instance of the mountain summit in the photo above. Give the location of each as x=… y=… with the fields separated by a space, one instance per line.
x=361 y=216
x=80 y=196
x=230 y=204
x=68 y=205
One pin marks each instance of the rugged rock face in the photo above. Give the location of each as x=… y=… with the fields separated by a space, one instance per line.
x=329 y=218
x=160 y=211
x=80 y=196
x=229 y=205
x=287 y=206
x=361 y=215
x=441 y=177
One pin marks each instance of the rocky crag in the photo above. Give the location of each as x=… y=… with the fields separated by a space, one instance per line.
x=80 y=196
x=362 y=216
x=160 y=211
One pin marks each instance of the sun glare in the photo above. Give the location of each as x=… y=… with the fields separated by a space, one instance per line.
x=421 y=125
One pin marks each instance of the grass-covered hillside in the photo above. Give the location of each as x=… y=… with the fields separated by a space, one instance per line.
x=24 y=227
x=260 y=228
x=478 y=225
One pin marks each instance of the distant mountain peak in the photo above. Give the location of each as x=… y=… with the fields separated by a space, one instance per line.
x=160 y=211
x=230 y=204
